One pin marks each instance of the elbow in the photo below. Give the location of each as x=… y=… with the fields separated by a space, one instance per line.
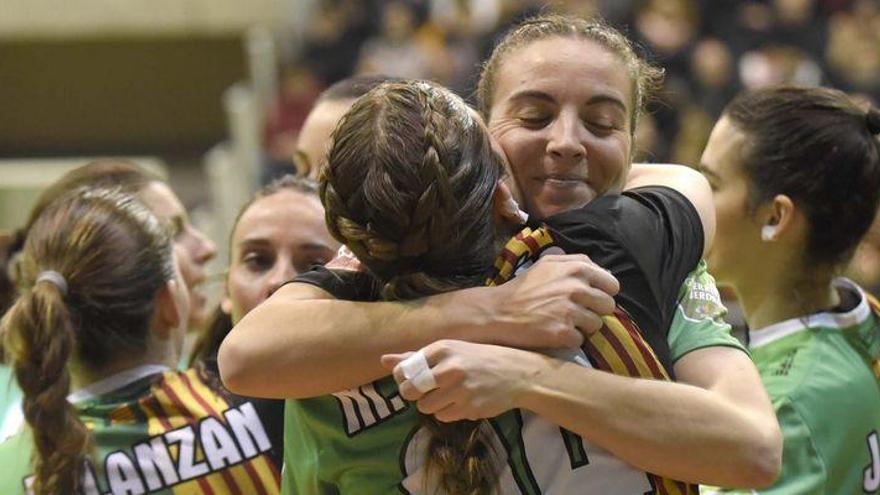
x=765 y=459
x=234 y=371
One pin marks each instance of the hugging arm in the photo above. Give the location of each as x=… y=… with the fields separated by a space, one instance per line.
x=302 y=343
x=715 y=426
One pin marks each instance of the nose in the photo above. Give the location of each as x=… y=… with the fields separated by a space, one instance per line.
x=566 y=137
x=281 y=274
x=206 y=248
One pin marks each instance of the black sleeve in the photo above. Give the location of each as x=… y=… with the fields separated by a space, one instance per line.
x=343 y=284
x=650 y=238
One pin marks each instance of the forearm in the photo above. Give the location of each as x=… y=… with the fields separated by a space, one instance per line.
x=675 y=430
x=289 y=347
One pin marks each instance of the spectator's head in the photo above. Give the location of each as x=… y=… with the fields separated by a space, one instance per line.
x=796 y=172
x=101 y=293
x=314 y=137
x=712 y=63
x=555 y=91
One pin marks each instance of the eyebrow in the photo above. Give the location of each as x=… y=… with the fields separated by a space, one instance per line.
x=263 y=241
x=531 y=94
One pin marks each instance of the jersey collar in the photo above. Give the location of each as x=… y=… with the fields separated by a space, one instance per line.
x=826 y=319
x=116 y=381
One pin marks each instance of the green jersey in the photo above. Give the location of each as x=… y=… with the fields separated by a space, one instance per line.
x=158 y=431
x=817 y=370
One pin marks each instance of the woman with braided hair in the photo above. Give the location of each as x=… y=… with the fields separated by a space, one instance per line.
x=93 y=340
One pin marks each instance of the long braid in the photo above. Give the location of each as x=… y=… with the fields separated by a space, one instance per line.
x=408 y=189
x=39 y=340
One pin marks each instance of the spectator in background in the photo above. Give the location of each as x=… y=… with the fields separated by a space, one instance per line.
x=853 y=48
x=279 y=234
x=401 y=48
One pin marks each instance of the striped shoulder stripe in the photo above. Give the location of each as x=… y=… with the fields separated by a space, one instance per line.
x=618 y=347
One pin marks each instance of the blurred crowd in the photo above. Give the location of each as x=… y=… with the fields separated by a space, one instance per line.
x=710 y=49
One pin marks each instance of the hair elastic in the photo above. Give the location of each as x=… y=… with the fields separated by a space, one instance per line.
x=53 y=278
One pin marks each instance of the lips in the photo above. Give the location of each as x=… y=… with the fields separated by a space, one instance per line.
x=563 y=180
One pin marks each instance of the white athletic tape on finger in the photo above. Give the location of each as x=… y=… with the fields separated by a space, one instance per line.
x=414 y=365
x=415 y=369
x=424 y=382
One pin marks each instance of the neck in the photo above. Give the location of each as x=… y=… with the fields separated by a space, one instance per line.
x=772 y=299
x=83 y=375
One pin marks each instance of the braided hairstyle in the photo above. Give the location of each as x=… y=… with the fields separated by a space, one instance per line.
x=409 y=189
x=114 y=256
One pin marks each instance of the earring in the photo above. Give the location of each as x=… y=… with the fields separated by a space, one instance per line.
x=767 y=233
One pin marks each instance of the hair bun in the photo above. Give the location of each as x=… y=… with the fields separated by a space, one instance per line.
x=872 y=118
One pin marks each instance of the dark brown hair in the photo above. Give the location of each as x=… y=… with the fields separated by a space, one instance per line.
x=645 y=77
x=104 y=173
x=220 y=323
x=114 y=256
x=409 y=189
x=817 y=147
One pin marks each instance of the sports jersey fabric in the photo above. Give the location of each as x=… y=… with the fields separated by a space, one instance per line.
x=818 y=372
x=159 y=431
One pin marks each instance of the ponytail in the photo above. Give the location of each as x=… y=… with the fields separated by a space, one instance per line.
x=90 y=270
x=39 y=339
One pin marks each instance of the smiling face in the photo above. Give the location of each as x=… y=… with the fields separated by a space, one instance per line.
x=191 y=247
x=561 y=113
x=276 y=238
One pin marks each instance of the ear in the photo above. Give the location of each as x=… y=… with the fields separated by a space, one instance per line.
x=168 y=311
x=779 y=219
x=505 y=208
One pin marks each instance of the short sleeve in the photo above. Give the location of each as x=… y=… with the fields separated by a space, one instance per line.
x=653 y=233
x=698 y=321
x=650 y=238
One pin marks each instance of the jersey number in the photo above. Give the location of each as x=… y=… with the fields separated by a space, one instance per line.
x=364 y=407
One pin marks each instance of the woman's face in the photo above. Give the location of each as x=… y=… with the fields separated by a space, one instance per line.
x=738 y=232
x=192 y=248
x=561 y=113
x=276 y=238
